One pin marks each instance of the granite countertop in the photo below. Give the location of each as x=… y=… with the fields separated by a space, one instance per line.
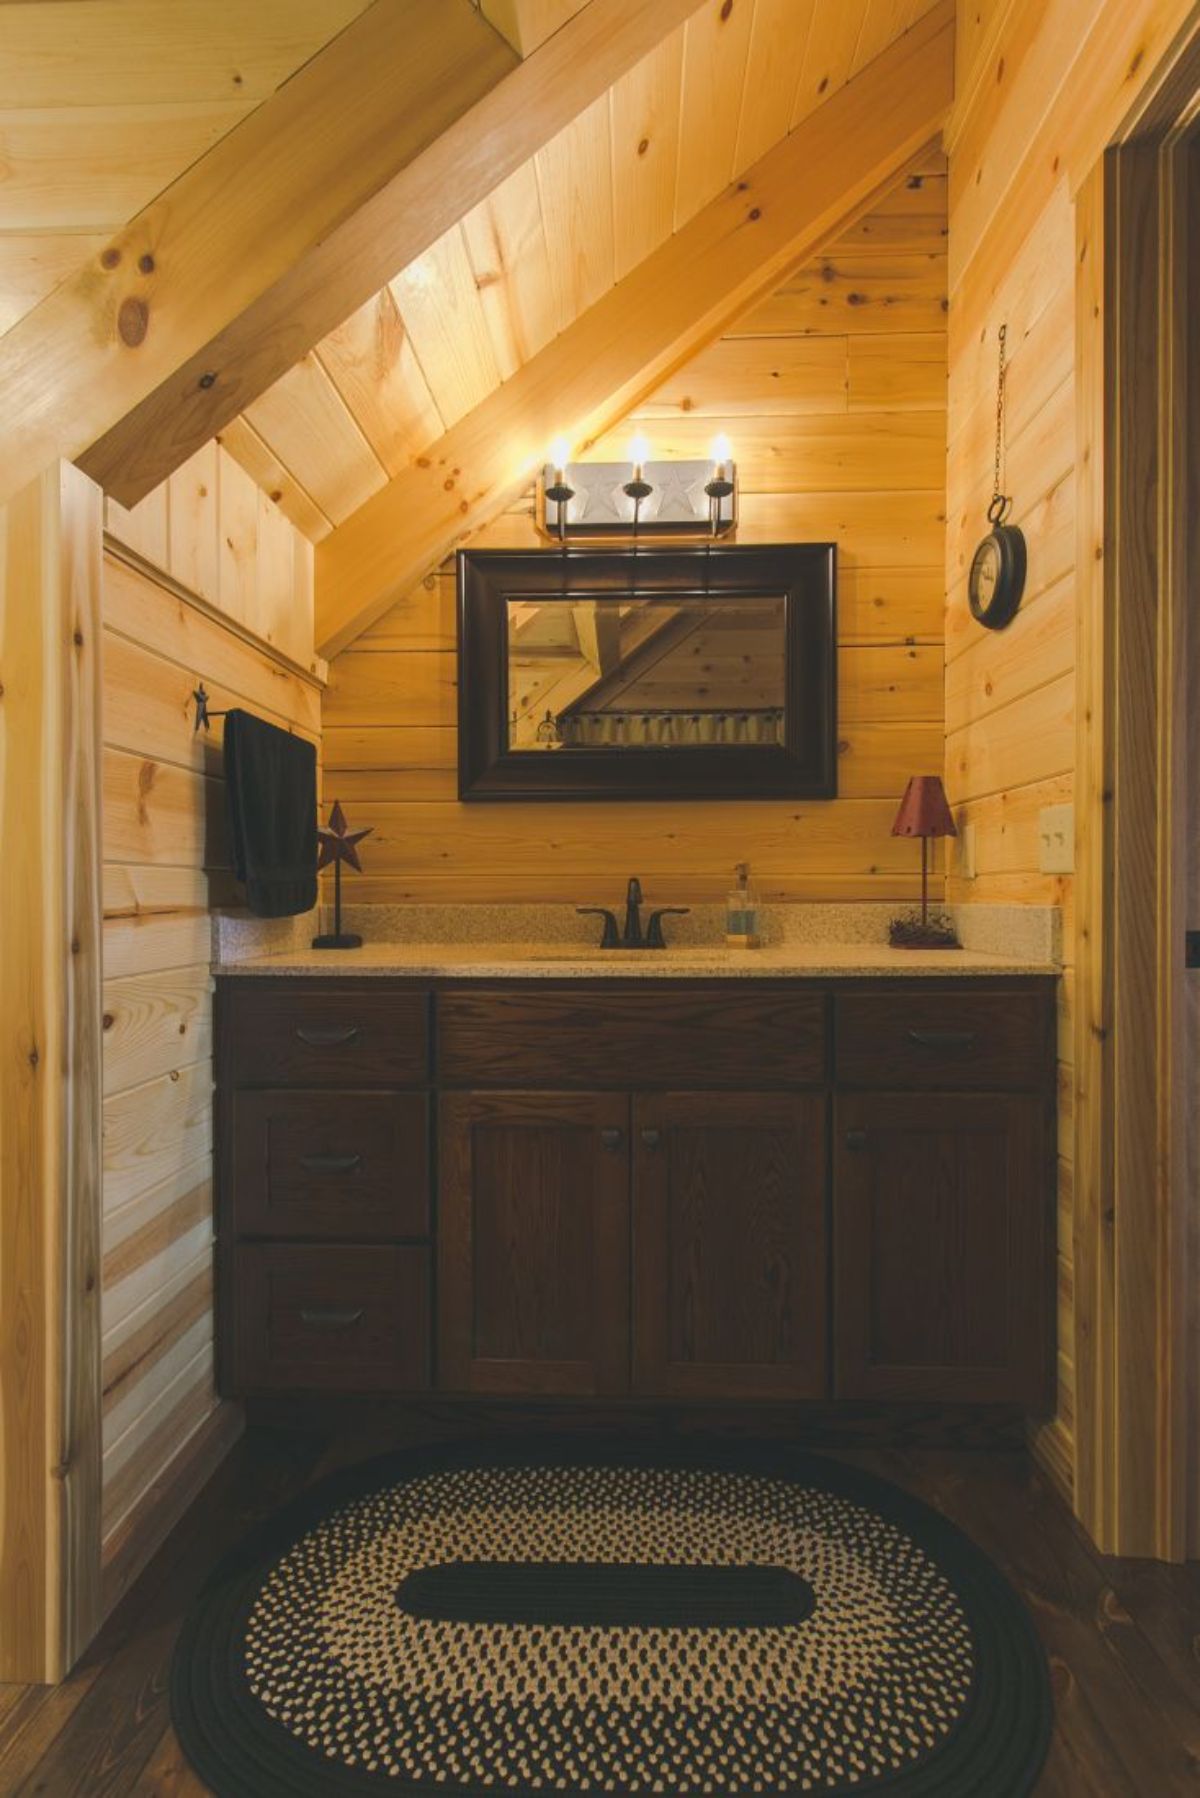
x=556 y=961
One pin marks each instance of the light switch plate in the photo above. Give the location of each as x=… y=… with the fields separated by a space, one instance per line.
x=1056 y=839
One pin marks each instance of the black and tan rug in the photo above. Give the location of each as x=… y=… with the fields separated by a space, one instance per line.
x=537 y=1619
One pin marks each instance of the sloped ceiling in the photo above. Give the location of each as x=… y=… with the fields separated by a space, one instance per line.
x=103 y=103
x=630 y=170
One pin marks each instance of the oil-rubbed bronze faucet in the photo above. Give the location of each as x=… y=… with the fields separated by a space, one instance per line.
x=633 y=936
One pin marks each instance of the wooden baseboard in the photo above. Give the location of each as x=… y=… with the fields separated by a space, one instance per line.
x=1053 y=1448
x=811 y=1424
x=143 y=1530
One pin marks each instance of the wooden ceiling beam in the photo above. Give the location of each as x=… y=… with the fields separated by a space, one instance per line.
x=796 y=199
x=362 y=160
x=528 y=23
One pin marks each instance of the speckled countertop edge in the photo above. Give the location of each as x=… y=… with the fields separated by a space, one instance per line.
x=500 y=961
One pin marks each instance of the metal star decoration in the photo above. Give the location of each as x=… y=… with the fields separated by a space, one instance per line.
x=337 y=844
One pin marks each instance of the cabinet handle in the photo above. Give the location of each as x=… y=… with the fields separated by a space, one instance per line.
x=331 y=1317
x=327 y=1036
x=330 y=1164
x=943 y=1039
x=651 y=1138
x=611 y=1140
x=856 y=1140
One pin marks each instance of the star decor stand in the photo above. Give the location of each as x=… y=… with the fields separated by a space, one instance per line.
x=338 y=845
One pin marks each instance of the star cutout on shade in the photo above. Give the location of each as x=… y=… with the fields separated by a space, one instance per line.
x=337 y=844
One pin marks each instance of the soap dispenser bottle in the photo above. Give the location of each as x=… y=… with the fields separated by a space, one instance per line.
x=741 y=912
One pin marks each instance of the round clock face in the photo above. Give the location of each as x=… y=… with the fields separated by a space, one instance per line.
x=985 y=571
x=997 y=577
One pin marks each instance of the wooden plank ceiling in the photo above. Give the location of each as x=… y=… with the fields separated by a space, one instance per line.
x=557 y=234
x=103 y=103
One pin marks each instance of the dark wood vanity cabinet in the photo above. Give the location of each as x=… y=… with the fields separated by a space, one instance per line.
x=669 y=1245
x=324 y=1204
x=941 y=1247
x=730 y=1259
x=533 y=1243
x=770 y=1190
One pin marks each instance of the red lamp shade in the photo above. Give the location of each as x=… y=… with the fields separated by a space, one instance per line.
x=924 y=811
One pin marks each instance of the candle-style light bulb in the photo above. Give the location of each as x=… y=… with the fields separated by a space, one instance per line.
x=560 y=455
x=639 y=454
x=722 y=453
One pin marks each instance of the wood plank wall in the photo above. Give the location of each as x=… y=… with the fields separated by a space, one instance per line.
x=833 y=393
x=1041 y=86
x=249 y=574
x=49 y=1075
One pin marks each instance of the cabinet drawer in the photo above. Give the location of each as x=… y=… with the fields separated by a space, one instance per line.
x=345 y=1319
x=312 y=1034
x=942 y=1040
x=330 y=1163
x=715 y=1037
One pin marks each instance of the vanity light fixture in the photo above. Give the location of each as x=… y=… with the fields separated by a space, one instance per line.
x=720 y=488
x=638 y=488
x=558 y=490
x=639 y=497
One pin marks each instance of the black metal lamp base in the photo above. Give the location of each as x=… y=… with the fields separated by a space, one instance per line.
x=339 y=940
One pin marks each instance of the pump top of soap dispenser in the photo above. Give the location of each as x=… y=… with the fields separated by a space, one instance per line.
x=741 y=912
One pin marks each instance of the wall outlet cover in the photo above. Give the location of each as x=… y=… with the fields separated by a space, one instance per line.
x=1056 y=839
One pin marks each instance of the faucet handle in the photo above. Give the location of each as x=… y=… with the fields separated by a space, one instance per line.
x=610 y=936
x=654 y=929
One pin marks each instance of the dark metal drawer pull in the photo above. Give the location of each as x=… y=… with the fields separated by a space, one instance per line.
x=856 y=1140
x=651 y=1138
x=331 y=1317
x=328 y=1036
x=330 y=1164
x=943 y=1039
x=611 y=1140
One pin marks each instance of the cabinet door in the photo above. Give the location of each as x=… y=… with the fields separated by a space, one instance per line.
x=729 y=1245
x=533 y=1243
x=940 y=1268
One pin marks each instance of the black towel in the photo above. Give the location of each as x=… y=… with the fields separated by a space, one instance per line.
x=271 y=804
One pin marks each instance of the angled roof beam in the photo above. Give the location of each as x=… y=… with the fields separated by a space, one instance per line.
x=528 y=23
x=792 y=202
x=362 y=160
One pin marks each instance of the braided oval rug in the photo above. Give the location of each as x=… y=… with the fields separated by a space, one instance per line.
x=471 y=1620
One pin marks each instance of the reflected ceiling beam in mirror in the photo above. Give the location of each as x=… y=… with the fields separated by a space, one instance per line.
x=598 y=633
x=798 y=198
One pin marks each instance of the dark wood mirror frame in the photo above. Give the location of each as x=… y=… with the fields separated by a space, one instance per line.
x=803 y=766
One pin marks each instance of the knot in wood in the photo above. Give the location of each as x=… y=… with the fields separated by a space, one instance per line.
x=133 y=321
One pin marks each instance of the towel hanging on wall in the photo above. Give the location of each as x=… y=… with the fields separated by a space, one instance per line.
x=271 y=804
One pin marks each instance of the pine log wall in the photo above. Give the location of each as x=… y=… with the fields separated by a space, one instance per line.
x=1041 y=86
x=1010 y=695
x=833 y=393
x=219 y=589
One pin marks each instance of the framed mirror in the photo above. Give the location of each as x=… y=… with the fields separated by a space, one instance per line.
x=704 y=672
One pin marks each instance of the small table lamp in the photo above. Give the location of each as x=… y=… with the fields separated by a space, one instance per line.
x=924 y=812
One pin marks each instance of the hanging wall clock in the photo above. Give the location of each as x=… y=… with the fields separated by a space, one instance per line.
x=997 y=577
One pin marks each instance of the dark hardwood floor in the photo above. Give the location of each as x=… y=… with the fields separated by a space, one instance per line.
x=1123 y=1636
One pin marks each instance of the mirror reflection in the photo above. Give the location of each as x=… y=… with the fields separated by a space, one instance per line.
x=677 y=672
